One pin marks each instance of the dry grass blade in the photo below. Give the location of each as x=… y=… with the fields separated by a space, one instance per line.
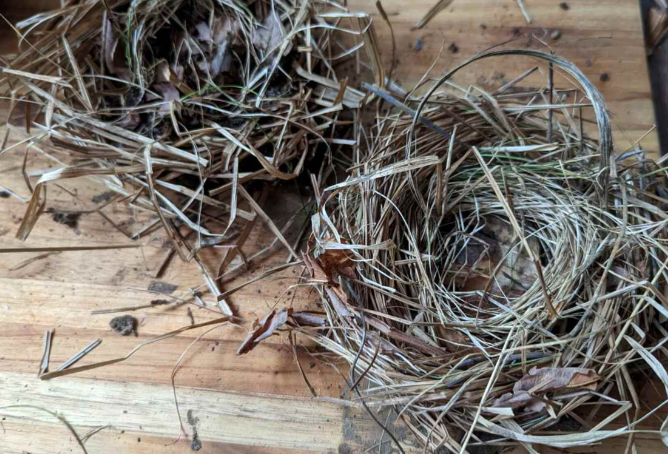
x=54 y=249
x=86 y=350
x=657 y=27
x=75 y=370
x=27 y=262
x=44 y=365
x=439 y=6
x=523 y=8
x=59 y=417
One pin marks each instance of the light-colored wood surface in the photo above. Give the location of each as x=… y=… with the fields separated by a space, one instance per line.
x=256 y=403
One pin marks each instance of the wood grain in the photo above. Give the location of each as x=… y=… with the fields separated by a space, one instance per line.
x=148 y=410
x=258 y=403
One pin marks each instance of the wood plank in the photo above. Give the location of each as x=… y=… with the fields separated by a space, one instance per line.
x=26 y=436
x=148 y=410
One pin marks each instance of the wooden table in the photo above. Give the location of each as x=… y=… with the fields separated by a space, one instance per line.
x=256 y=403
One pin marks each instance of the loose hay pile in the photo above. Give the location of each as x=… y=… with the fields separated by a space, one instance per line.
x=492 y=271
x=179 y=106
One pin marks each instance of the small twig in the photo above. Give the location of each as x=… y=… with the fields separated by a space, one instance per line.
x=299 y=365
x=66 y=248
x=44 y=366
x=550 y=89
x=86 y=350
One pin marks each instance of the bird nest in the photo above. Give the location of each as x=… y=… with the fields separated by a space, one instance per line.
x=181 y=108
x=492 y=270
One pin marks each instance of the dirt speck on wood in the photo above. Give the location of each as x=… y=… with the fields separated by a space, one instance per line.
x=196 y=443
x=162 y=287
x=418 y=45
x=70 y=220
x=124 y=325
x=104 y=197
x=4 y=195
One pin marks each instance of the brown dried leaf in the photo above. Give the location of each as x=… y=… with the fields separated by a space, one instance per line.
x=225 y=29
x=269 y=36
x=522 y=399
x=262 y=330
x=308 y=319
x=168 y=93
x=544 y=380
x=315 y=270
x=552 y=378
x=337 y=261
x=223 y=35
x=339 y=300
x=222 y=59
x=114 y=61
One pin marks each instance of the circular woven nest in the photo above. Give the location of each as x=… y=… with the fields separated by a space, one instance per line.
x=489 y=269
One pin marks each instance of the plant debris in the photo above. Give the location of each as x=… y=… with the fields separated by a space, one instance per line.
x=75 y=370
x=44 y=365
x=276 y=320
x=186 y=109
x=539 y=381
x=262 y=330
x=124 y=325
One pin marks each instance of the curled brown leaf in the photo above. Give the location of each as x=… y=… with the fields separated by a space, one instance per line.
x=262 y=330
x=544 y=380
x=269 y=35
x=309 y=319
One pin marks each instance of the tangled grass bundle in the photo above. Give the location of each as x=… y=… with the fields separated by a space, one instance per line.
x=492 y=270
x=177 y=105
